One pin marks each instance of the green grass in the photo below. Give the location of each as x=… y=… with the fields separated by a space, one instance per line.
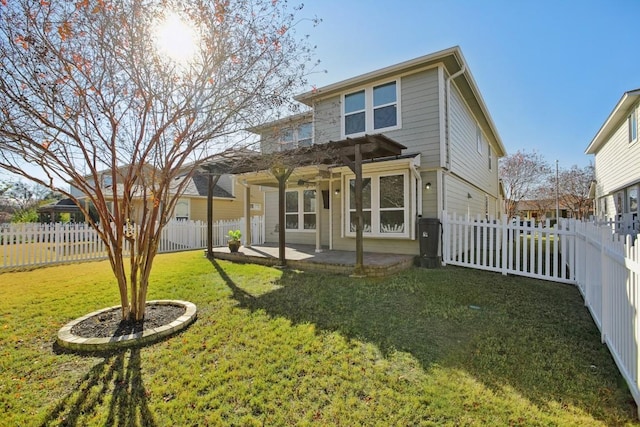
x=427 y=347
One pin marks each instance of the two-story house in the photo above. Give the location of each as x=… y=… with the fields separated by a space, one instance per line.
x=432 y=106
x=617 y=164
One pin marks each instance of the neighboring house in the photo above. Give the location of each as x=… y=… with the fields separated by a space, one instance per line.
x=617 y=164
x=432 y=106
x=228 y=198
x=540 y=210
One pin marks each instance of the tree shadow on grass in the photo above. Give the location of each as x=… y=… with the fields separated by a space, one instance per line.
x=117 y=378
x=525 y=336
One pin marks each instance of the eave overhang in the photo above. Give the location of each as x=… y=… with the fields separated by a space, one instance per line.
x=619 y=113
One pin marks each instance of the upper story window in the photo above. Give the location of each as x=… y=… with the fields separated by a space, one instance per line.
x=300 y=136
x=371 y=109
x=490 y=156
x=305 y=137
x=632 y=121
x=478 y=139
x=107 y=180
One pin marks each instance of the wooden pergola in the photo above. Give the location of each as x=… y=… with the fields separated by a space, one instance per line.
x=350 y=152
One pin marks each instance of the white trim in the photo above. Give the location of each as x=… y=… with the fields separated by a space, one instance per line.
x=369 y=109
x=409 y=202
x=632 y=125
x=175 y=208
x=301 y=212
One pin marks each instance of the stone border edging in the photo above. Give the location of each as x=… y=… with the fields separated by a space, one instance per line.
x=74 y=342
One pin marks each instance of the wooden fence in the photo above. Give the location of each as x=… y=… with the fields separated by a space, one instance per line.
x=32 y=244
x=603 y=265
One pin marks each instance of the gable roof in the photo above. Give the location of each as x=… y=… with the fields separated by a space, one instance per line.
x=452 y=60
x=618 y=114
x=199 y=184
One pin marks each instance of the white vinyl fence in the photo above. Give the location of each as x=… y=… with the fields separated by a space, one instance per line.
x=604 y=266
x=509 y=247
x=31 y=244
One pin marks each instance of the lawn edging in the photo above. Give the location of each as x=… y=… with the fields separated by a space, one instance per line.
x=68 y=340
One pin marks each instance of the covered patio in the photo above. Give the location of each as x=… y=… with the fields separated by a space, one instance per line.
x=305 y=257
x=275 y=169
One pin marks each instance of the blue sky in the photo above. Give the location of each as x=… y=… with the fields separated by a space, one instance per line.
x=550 y=72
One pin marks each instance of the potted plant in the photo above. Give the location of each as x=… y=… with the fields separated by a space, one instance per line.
x=234 y=240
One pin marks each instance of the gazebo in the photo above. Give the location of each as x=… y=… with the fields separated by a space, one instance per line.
x=52 y=211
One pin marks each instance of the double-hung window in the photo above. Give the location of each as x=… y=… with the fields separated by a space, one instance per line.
x=287 y=140
x=304 y=135
x=300 y=210
x=371 y=109
x=299 y=136
x=632 y=120
x=354 y=113
x=181 y=211
x=385 y=205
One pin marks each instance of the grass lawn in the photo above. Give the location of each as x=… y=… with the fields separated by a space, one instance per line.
x=450 y=346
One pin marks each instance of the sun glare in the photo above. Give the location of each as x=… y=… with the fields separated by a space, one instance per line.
x=176 y=39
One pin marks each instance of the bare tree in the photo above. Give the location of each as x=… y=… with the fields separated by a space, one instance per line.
x=91 y=88
x=24 y=195
x=521 y=174
x=574 y=185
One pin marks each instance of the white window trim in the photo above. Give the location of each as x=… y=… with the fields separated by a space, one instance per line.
x=490 y=156
x=479 y=138
x=175 y=208
x=632 y=119
x=368 y=110
x=301 y=213
x=375 y=205
x=295 y=141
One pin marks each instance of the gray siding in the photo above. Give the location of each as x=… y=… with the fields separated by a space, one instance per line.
x=326 y=120
x=420 y=117
x=471 y=172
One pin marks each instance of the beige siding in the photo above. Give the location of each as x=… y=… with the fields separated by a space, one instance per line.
x=225 y=209
x=617 y=164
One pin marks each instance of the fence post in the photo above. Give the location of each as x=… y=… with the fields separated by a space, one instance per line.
x=445 y=238
x=603 y=284
x=505 y=246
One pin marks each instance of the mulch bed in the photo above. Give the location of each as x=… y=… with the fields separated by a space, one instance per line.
x=110 y=324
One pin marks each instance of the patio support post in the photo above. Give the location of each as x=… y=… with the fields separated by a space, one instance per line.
x=211 y=183
x=359 y=267
x=247 y=216
x=319 y=200
x=282 y=174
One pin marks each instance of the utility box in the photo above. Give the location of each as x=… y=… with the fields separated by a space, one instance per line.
x=429 y=235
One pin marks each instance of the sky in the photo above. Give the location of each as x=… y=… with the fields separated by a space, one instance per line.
x=550 y=72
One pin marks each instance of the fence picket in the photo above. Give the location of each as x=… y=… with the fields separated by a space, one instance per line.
x=27 y=245
x=605 y=267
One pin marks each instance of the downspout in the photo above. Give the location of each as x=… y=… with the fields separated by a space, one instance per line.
x=448 y=112
x=447 y=138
